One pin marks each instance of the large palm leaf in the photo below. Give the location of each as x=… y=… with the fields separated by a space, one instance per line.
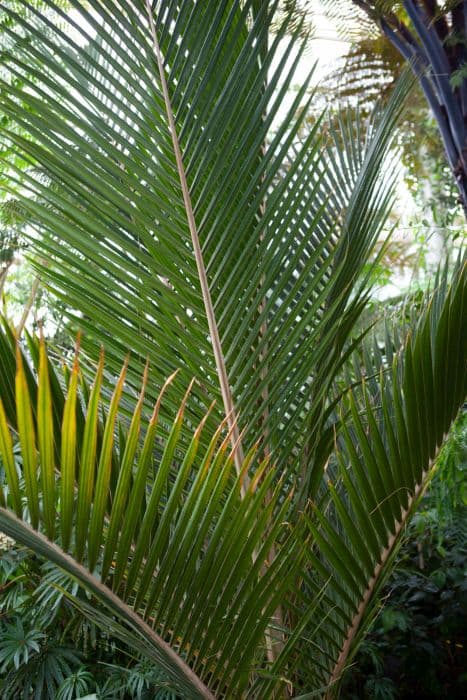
x=139 y=548
x=393 y=424
x=174 y=224
x=190 y=573
x=177 y=227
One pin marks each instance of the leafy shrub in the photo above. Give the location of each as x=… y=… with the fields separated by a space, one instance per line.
x=49 y=651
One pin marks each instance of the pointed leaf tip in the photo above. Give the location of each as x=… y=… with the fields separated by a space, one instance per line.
x=182 y=407
x=164 y=387
x=201 y=425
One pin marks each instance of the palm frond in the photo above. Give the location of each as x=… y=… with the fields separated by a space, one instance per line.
x=185 y=222
x=138 y=539
x=392 y=429
x=216 y=258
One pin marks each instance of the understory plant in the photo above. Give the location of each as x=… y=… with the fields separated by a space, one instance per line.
x=231 y=495
x=49 y=651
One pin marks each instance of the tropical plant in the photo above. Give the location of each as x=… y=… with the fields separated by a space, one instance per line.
x=431 y=37
x=35 y=659
x=417 y=641
x=72 y=656
x=363 y=76
x=17 y=644
x=234 y=533
x=75 y=686
x=42 y=674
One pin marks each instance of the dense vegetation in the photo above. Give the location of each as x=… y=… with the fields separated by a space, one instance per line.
x=218 y=513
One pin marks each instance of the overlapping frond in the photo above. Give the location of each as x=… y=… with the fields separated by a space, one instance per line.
x=180 y=560
x=120 y=215
x=393 y=425
x=350 y=20
x=351 y=191
x=184 y=219
x=365 y=74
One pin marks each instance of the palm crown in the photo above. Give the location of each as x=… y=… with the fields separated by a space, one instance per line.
x=235 y=533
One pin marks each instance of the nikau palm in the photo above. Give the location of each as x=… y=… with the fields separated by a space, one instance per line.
x=234 y=528
x=433 y=42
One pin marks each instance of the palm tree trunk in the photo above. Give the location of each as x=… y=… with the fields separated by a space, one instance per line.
x=439 y=69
